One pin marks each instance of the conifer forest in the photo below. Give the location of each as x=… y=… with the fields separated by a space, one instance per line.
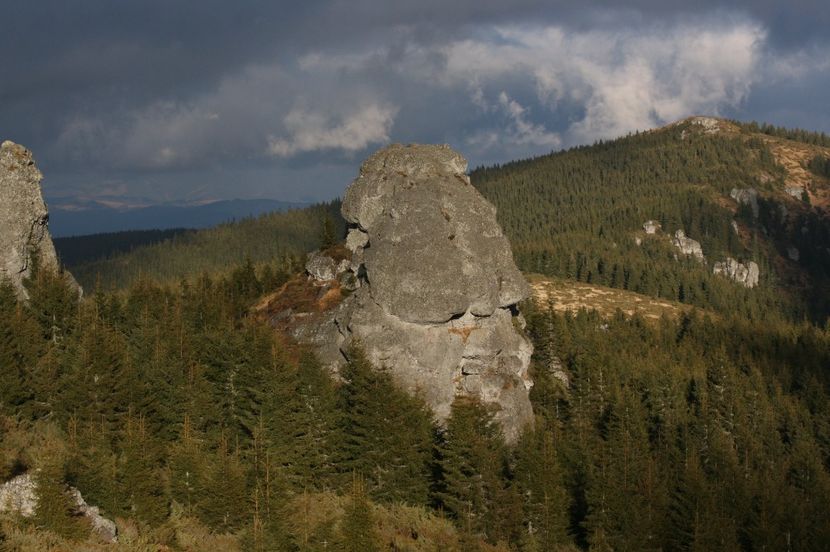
x=189 y=420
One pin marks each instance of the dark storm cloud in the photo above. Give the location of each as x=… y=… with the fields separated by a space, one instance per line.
x=170 y=98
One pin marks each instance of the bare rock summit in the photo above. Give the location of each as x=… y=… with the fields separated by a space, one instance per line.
x=24 y=232
x=435 y=287
x=435 y=249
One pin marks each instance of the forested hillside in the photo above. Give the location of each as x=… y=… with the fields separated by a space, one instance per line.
x=576 y=214
x=198 y=427
x=94 y=247
x=264 y=239
x=187 y=418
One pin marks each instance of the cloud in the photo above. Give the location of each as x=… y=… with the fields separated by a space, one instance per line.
x=535 y=87
x=281 y=91
x=309 y=131
x=518 y=130
x=620 y=80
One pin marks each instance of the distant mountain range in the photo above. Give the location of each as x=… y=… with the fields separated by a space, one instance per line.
x=74 y=217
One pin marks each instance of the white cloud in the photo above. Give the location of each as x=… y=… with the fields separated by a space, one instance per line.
x=309 y=131
x=500 y=91
x=622 y=80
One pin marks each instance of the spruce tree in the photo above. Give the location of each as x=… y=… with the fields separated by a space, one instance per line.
x=357 y=527
x=386 y=434
x=471 y=461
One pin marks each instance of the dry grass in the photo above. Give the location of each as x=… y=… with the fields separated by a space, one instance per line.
x=398 y=527
x=794 y=157
x=301 y=294
x=570 y=296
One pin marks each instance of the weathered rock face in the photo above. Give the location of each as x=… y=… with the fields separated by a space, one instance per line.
x=744 y=274
x=687 y=246
x=435 y=248
x=746 y=196
x=437 y=286
x=23 y=217
x=19 y=496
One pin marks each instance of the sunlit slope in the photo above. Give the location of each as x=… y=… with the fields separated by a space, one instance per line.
x=579 y=214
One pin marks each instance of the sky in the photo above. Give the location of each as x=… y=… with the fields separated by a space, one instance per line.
x=177 y=100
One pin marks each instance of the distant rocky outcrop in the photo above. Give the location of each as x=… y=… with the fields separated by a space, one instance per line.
x=24 y=233
x=745 y=274
x=19 y=496
x=793 y=253
x=687 y=245
x=705 y=125
x=795 y=191
x=436 y=287
x=651 y=226
x=746 y=196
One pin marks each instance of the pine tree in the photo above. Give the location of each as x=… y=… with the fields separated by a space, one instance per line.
x=55 y=510
x=225 y=506
x=357 y=528
x=139 y=480
x=540 y=475
x=301 y=423
x=471 y=460
x=386 y=434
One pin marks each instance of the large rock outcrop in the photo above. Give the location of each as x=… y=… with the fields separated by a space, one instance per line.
x=24 y=233
x=435 y=285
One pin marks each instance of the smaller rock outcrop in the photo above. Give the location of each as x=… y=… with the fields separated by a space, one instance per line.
x=793 y=253
x=651 y=226
x=687 y=245
x=704 y=125
x=322 y=267
x=24 y=232
x=795 y=191
x=19 y=496
x=103 y=527
x=746 y=196
x=745 y=274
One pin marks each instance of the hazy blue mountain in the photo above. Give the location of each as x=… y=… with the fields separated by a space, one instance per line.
x=76 y=219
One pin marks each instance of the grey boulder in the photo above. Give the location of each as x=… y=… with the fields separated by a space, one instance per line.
x=435 y=302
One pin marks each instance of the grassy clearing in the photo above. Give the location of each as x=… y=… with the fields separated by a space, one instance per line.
x=572 y=296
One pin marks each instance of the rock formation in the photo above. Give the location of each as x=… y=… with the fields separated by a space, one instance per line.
x=793 y=253
x=795 y=191
x=744 y=274
x=651 y=226
x=19 y=496
x=24 y=233
x=687 y=246
x=436 y=286
x=746 y=196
